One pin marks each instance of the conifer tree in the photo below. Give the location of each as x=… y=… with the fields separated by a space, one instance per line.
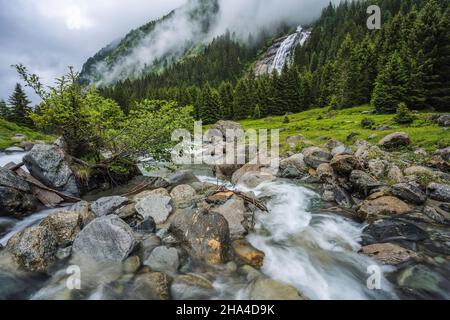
x=20 y=107
x=226 y=100
x=390 y=86
x=4 y=110
x=210 y=105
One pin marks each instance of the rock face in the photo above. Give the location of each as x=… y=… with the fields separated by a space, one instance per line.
x=383 y=206
x=15 y=202
x=151 y=286
x=47 y=163
x=65 y=225
x=156 y=206
x=105 y=238
x=205 y=234
x=106 y=206
x=293 y=167
x=395 y=140
x=34 y=248
x=344 y=164
x=439 y=192
x=247 y=253
x=163 y=259
x=388 y=253
x=315 y=156
x=234 y=212
x=268 y=289
x=410 y=192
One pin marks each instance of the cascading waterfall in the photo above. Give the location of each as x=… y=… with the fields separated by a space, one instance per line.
x=284 y=53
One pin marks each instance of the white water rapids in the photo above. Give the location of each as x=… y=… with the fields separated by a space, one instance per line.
x=284 y=53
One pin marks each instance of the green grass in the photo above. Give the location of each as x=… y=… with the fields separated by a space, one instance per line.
x=8 y=130
x=320 y=125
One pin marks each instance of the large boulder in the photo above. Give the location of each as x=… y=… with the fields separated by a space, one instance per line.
x=254 y=179
x=192 y=287
x=410 y=192
x=11 y=180
x=393 y=230
x=34 y=248
x=335 y=193
x=17 y=203
x=314 y=156
x=344 y=164
x=225 y=171
x=228 y=126
x=151 y=286
x=235 y=213
x=439 y=192
x=383 y=206
x=108 y=205
x=164 y=259
x=66 y=225
x=395 y=140
x=269 y=289
x=363 y=182
x=156 y=206
x=443 y=120
x=205 y=234
x=388 y=253
x=254 y=168
x=48 y=164
x=106 y=238
x=293 y=167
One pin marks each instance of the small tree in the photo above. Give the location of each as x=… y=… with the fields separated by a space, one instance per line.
x=257 y=112
x=20 y=107
x=286 y=119
x=5 y=113
x=404 y=115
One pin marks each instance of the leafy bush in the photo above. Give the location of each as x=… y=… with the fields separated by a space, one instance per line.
x=367 y=123
x=404 y=115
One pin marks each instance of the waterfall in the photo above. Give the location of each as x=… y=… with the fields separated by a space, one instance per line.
x=284 y=53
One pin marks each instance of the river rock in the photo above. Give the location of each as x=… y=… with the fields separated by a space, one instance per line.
x=269 y=289
x=228 y=127
x=164 y=259
x=225 y=171
x=48 y=164
x=183 y=194
x=443 y=120
x=12 y=180
x=14 y=149
x=388 y=253
x=16 y=203
x=335 y=193
x=248 y=254
x=148 y=225
x=444 y=154
x=395 y=174
x=410 y=192
x=147 y=193
x=254 y=179
x=439 y=192
x=105 y=238
x=192 y=287
x=108 y=205
x=155 y=206
x=65 y=225
x=293 y=167
x=151 y=286
x=255 y=168
x=314 y=156
x=34 y=248
x=206 y=235
x=182 y=177
x=378 y=167
x=393 y=230
x=234 y=212
x=363 y=182
x=383 y=206
x=344 y=164
x=395 y=140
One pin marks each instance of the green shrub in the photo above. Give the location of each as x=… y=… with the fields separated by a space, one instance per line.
x=286 y=119
x=367 y=123
x=404 y=115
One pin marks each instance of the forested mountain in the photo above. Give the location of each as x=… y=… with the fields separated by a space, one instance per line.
x=342 y=64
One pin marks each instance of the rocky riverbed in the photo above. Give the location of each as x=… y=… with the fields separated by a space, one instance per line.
x=334 y=213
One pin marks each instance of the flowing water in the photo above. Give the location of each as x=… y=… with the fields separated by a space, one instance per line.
x=285 y=51
x=314 y=252
x=15 y=157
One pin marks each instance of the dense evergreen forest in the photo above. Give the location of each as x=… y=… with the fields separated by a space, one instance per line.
x=343 y=64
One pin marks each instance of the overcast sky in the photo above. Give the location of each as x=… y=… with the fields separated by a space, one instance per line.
x=49 y=35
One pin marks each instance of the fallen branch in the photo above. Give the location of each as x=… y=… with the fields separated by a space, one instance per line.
x=62 y=195
x=258 y=204
x=17 y=167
